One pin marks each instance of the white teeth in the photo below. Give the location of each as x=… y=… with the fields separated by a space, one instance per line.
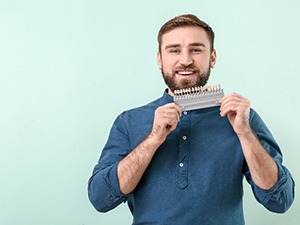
x=185 y=72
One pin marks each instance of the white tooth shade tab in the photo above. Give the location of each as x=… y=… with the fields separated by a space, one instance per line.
x=198 y=97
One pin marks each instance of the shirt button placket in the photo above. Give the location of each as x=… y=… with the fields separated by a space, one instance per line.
x=183 y=157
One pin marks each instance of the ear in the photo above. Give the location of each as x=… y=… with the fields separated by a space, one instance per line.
x=213 y=59
x=159 y=61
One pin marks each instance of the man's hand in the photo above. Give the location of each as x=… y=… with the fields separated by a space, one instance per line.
x=237 y=109
x=165 y=121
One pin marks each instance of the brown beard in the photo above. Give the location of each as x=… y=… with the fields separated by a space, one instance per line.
x=200 y=80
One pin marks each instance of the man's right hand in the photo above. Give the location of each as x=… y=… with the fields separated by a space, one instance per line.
x=165 y=121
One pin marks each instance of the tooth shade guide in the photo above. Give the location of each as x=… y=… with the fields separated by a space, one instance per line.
x=198 y=97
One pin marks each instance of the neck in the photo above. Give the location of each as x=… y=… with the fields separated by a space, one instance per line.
x=170 y=92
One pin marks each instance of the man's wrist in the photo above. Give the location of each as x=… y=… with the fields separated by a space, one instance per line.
x=155 y=139
x=247 y=133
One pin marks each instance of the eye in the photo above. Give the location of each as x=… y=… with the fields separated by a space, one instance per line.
x=174 y=51
x=197 y=50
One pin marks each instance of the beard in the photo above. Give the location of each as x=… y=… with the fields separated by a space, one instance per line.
x=200 y=79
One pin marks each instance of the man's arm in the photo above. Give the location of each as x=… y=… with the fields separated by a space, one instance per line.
x=272 y=183
x=132 y=167
x=263 y=168
x=118 y=172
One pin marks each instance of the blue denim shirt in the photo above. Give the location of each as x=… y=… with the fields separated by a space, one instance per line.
x=196 y=175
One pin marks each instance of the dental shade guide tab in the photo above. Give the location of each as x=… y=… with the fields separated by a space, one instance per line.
x=198 y=97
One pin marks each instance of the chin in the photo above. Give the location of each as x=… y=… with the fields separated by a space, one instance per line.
x=187 y=83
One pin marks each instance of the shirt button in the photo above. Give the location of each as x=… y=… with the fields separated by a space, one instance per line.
x=184 y=137
x=181 y=164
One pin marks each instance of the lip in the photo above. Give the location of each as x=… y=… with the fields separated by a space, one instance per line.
x=185 y=73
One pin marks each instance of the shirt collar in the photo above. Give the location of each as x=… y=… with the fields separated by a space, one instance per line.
x=167 y=97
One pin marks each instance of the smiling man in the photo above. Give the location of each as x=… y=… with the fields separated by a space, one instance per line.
x=175 y=167
x=185 y=57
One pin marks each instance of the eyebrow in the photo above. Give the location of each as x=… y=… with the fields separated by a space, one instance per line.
x=196 y=44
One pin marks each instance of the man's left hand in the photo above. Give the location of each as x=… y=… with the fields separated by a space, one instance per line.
x=237 y=109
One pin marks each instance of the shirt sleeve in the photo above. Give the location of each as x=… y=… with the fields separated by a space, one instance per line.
x=280 y=197
x=103 y=186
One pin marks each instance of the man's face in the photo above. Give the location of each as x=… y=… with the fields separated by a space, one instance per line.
x=185 y=59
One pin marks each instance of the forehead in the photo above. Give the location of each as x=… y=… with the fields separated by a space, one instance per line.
x=184 y=36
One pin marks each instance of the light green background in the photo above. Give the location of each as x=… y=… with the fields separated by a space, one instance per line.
x=68 y=68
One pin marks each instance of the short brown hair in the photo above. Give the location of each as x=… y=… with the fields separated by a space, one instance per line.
x=185 y=20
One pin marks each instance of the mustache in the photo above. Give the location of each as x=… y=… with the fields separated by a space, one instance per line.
x=186 y=68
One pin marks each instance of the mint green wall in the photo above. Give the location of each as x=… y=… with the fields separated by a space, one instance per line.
x=68 y=68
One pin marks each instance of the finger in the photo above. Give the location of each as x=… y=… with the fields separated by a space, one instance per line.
x=224 y=110
x=172 y=117
x=173 y=108
x=233 y=106
x=167 y=115
x=241 y=111
x=231 y=97
x=176 y=107
x=234 y=101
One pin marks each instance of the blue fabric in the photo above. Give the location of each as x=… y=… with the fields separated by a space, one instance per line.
x=196 y=175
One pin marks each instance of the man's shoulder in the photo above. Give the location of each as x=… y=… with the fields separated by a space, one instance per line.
x=138 y=117
x=149 y=107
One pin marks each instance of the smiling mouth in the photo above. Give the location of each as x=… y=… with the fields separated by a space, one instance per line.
x=185 y=72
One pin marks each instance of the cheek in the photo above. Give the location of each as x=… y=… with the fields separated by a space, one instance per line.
x=168 y=64
x=202 y=62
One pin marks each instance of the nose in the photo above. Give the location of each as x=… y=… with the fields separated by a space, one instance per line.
x=186 y=59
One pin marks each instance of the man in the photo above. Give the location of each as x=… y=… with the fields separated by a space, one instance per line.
x=175 y=167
